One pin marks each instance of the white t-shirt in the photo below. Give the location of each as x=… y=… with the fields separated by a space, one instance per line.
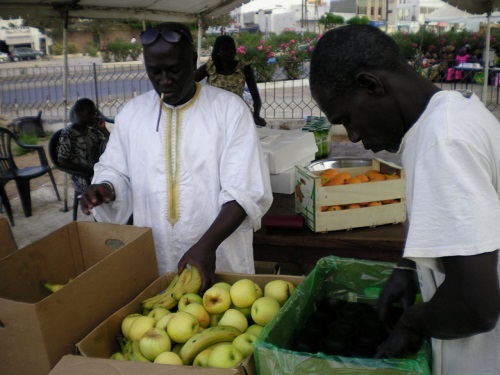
x=451 y=158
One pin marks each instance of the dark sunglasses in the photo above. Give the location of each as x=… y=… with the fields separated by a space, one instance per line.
x=168 y=35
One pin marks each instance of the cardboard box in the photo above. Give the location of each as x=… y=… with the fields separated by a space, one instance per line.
x=352 y=280
x=7 y=242
x=108 y=264
x=310 y=197
x=284 y=182
x=102 y=343
x=78 y=365
x=287 y=148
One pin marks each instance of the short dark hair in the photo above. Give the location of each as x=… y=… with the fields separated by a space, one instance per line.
x=85 y=110
x=342 y=52
x=219 y=42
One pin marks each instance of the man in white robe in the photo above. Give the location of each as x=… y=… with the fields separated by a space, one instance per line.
x=194 y=172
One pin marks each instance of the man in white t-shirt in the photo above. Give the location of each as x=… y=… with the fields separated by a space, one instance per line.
x=449 y=145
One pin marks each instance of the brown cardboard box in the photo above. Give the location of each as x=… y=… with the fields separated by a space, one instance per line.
x=108 y=264
x=311 y=196
x=102 y=343
x=78 y=365
x=7 y=242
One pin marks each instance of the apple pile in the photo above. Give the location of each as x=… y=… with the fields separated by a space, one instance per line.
x=217 y=329
x=353 y=329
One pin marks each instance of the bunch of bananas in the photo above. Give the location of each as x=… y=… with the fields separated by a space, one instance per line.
x=188 y=281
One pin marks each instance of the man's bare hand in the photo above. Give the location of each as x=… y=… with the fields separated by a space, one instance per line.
x=94 y=196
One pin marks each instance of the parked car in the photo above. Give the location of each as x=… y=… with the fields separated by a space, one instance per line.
x=25 y=53
x=4 y=57
x=217 y=30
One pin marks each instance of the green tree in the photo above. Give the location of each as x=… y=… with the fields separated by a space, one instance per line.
x=358 y=20
x=330 y=20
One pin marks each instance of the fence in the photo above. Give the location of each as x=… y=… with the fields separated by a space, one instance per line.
x=25 y=91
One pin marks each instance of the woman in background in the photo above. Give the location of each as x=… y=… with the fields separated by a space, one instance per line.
x=224 y=71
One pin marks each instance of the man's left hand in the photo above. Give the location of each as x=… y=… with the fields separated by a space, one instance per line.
x=401 y=341
x=259 y=120
x=202 y=257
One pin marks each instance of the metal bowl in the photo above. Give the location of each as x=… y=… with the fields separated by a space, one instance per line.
x=339 y=162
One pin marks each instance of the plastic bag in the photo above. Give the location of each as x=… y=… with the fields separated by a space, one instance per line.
x=333 y=277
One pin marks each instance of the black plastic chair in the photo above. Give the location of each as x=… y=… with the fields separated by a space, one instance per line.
x=22 y=176
x=53 y=143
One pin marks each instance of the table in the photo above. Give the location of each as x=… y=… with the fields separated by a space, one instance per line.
x=302 y=248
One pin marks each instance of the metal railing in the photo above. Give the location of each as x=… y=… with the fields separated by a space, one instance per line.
x=25 y=91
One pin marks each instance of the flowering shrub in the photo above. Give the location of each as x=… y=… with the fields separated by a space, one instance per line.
x=291 y=58
x=258 y=53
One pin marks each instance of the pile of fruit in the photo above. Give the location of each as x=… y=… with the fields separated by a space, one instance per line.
x=353 y=329
x=332 y=177
x=180 y=327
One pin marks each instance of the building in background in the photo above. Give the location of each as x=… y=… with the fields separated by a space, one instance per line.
x=276 y=16
x=14 y=34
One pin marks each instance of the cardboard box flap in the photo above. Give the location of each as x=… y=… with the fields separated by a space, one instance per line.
x=76 y=365
x=48 y=259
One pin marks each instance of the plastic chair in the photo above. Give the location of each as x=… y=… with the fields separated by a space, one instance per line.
x=53 y=143
x=22 y=176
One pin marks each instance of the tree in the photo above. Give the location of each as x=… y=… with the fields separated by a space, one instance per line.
x=358 y=20
x=329 y=20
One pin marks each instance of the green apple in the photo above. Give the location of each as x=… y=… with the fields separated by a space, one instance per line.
x=182 y=326
x=158 y=313
x=153 y=342
x=243 y=293
x=244 y=343
x=199 y=312
x=169 y=358
x=225 y=356
x=255 y=329
x=247 y=311
x=216 y=300
x=280 y=290
x=126 y=323
x=234 y=318
x=259 y=291
x=188 y=299
x=140 y=325
x=162 y=323
x=214 y=319
x=201 y=358
x=223 y=284
x=135 y=354
x=264 y=309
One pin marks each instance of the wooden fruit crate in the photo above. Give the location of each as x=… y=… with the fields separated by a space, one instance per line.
x=310 y=197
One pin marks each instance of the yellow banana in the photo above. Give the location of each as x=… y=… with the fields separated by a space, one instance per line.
x=153 y=301
x=193 y=285
x=184 y=278
x=208 y=337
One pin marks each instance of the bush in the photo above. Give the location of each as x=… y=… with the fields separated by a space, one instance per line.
x=119 y=50
x=28 y=138
x=72 y=48
x=92 y=48
x=57 y=49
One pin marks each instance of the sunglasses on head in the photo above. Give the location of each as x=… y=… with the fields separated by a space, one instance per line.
x=168 y=35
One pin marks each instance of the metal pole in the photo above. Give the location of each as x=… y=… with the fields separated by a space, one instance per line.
x=95 y=87
x=487 y=61
x=198 y=62
x=65 y=96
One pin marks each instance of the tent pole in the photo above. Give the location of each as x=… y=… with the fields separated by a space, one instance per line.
x=65 y=95
x=199 y=44
x=486 y=61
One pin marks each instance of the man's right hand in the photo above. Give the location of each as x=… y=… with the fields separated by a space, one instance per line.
x=94 y=196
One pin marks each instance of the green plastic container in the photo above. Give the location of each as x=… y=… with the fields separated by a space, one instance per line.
x=333 y=277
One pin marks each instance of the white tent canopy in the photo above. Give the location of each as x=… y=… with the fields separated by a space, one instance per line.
x=153 y=10
x=448 y=13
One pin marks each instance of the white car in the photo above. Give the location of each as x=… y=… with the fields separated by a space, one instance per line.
x=4 y=57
